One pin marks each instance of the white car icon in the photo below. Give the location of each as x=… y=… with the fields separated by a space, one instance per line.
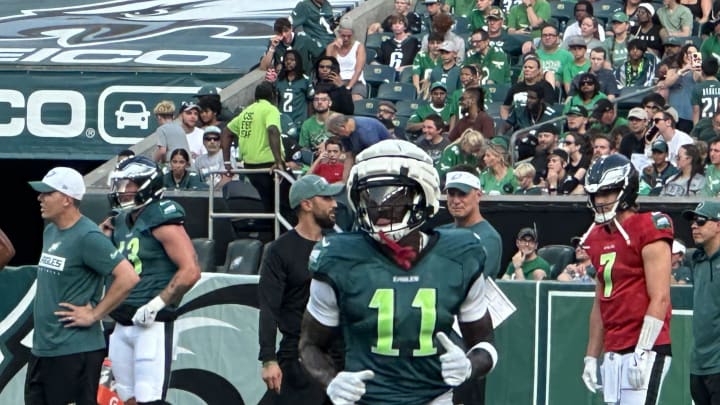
x=132 y=114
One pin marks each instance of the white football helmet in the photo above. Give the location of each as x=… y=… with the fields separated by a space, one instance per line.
x=393 y=188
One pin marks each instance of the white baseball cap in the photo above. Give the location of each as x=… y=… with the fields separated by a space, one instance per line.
x=63 y=179
x=678 y=247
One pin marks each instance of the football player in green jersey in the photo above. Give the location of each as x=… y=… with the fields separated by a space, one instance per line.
x=395 y=291
x=149 y=230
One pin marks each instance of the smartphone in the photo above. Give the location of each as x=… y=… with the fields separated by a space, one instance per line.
x=696 y=59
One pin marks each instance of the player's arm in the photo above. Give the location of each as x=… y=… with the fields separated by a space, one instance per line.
x=596 y=332
x=657 y=267
x=7 y=250
x=179 y=248
x=315 y=341
x=475 y=334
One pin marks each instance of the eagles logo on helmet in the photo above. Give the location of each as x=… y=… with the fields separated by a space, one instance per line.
x=608 y=174
x=145 y=174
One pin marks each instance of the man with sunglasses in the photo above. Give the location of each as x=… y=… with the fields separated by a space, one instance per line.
x=212 y=161
x=665 y=122
x=705 y=355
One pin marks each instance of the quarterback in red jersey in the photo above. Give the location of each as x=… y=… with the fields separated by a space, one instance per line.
x=630 y=317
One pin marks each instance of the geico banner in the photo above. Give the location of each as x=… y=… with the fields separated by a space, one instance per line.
x=216 y=335
x=86 y=115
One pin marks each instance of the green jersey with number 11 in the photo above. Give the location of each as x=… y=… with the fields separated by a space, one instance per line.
x=389 y=316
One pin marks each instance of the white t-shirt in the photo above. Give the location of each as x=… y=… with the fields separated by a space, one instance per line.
x=195 y=143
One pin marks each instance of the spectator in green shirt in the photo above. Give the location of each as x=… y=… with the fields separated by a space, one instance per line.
x=525 y=263
x=528 y=16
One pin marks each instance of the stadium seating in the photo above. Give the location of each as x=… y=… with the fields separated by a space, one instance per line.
x=240 y=196
x=562 y=11
x=406 y=108
x=498 y=92
x=205 y=250
x=558 y=256
x=374 y=40
x=366 y=107
x=243 y=256
x=370 y=55
x=376 y=75
x=396 y=91
x=461 y=26
x=406 y=75
x=604 y=9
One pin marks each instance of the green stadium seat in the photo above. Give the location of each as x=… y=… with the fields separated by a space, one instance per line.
x=366 y=107
x=288 y=126
x=375 y=75
x=396 y=91
x=406 y=75
x=562 y=11
x=559 y=256
x=497 y=92
x=205 y=251
x=243 y=256
x=374 y=40
x=406 y=107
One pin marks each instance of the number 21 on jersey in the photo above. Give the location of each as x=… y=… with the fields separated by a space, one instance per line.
x=384 y=301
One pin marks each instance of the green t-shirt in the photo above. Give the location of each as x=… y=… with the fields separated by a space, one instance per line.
x=617 y=51
x=530 y=266
x=389 y=316
x=461 y=7
x=476 y=20
x=250 y=126
x=492 y=243
x=518 y=19
x=293 y=98
x=571 y=69
x=312 y=133
x=426 y=109
x=451 y=156
x=423 y=64
x=72 y=268
x=494 y=65
x=710 y=48
x=589 y=105
x=450 y=78
x=712 y=181
x=706 y=95
x=554 y=61
x=493 y=186
x=144 y=251
x=191 y=181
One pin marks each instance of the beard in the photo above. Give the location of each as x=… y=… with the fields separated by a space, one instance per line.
x=324 y=221
x=323 y=111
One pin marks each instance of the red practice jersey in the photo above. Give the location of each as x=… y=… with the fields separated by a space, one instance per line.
x=623 y=294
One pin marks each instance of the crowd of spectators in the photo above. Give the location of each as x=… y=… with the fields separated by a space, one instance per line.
x=525 y=94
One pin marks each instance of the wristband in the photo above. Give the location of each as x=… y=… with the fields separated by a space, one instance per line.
x=490 y=349
x=227 y=162
x=156 y=304
x=648 y=334
x=269 y=362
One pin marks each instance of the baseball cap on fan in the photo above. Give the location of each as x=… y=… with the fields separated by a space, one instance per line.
x=62 y=179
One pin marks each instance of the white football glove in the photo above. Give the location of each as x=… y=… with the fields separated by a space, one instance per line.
x=456 y=367
x=589 y=375
x=636 y=371
x=348 y=387
x=145 y=315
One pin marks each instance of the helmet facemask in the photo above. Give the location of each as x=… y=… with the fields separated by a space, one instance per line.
x=394 y=206
x=602 y=215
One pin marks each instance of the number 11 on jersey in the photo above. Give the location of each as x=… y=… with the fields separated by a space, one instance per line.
x=384 y=301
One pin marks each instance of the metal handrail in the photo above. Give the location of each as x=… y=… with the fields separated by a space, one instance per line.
x=514 y=135
x=276 y=215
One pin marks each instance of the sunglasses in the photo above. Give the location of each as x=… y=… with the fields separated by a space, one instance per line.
x=212 y=139
x=701 y=221
x=656 y=120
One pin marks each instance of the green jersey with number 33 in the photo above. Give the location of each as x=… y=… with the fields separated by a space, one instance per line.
x=389 y=316
x=144 y=251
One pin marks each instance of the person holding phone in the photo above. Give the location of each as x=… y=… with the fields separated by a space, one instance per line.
x=679 y=84
x=328 y=80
